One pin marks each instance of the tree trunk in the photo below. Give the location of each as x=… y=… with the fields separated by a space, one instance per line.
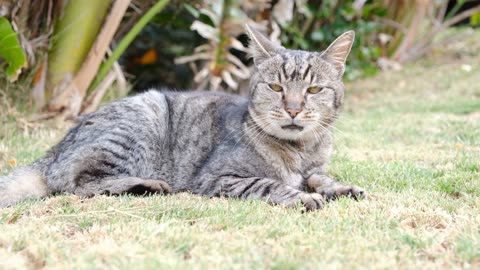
x=74 y=34
x=69 y=100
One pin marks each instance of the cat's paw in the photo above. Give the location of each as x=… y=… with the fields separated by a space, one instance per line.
x=150 y=187
x=337 y=191
x=312 y=201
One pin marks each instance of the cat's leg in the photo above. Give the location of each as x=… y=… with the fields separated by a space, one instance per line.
x=129 y=185
x=270 y=190
x=332 y=189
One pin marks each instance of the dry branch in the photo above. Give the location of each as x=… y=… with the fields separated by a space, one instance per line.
x=93 y=101
x=410 y=50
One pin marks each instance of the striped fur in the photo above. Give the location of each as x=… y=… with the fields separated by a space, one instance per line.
x=207 y=143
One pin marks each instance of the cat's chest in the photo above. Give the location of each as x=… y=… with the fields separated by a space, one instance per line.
x=292 y=163
x=289 y=165
x=293 y=179
x=290 y=171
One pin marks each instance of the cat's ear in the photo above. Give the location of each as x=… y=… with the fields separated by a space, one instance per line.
x=338 y=51
x=262 y=48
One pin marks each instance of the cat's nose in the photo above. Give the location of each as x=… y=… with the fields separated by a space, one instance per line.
x=293 y=112
x=293 y=106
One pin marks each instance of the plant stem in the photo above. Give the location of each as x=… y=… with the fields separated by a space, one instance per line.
x=125 y=42
x=222 y=46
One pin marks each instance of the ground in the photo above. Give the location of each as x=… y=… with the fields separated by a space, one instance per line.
x=411 y=138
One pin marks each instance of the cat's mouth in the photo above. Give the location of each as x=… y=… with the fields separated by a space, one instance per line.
x=293 y=127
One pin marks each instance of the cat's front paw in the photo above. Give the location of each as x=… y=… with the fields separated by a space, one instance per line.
x=148 y=187
x=339 y=190
x=332 y=189
x=312 y=201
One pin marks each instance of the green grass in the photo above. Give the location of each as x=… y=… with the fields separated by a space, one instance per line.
x=410 y=138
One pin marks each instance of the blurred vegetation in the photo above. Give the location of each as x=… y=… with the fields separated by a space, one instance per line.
x=201 y=44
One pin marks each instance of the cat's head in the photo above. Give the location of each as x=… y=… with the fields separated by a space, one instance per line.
x=295 y=95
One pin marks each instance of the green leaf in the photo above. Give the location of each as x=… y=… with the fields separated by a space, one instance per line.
x=195 y=13
x=10 y=50
x=475 y=19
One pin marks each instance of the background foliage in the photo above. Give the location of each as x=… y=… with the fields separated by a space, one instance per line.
x=202 y=45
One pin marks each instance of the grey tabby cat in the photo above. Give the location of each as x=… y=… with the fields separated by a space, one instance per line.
x=272 y=146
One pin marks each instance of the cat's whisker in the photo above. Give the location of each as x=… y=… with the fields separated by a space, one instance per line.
x=261 y=134
x=327 y=126
x=340 y=133
x=246 y=129
x=322 y=131
x=238 y=131
x=317 y=135
x=346 y=120
x=264 y=129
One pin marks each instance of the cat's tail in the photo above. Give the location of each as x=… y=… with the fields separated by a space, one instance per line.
x=24 y=183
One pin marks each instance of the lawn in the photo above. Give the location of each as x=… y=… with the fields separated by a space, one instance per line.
x=411 y=138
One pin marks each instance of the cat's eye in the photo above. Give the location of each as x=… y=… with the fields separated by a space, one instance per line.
x=314 y=89
x=275 y=87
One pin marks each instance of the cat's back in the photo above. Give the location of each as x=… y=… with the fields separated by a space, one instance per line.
x=164 y=114
x=198 y=101
x=185 y=123
x=168 y=106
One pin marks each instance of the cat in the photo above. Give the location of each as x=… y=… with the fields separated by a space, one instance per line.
x=272 y=145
